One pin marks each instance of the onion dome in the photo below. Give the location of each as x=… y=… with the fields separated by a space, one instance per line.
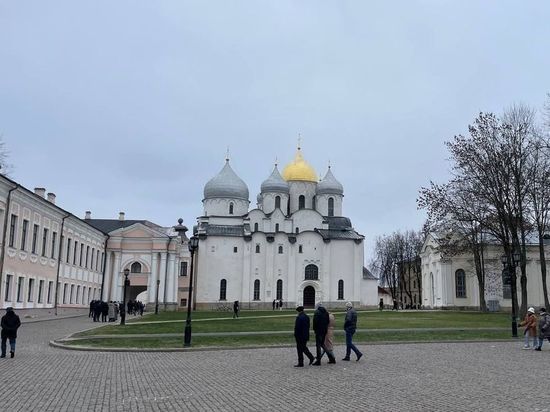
x=275 y=183
x=299 y=169
x=226 y=185
x=329 y=185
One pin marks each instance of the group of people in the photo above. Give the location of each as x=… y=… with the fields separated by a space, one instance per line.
x=536 y=328
x=277 y=304
x=323 y=326
x=109 y=311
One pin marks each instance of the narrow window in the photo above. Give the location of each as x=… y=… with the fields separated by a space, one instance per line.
x=183 y=268
x=71 y=296
x=279 y=289
x=230 y=208
x=257 y=289
x=92 y=259
x=258 y=248
x=460 y=283
x=223 y=289
x=77 y=297
x=40 y=290
x=68 y=250
x=87 y=256
x=277 y=202
x=276 y=227
x=235 y=249
x=280 y=250
x=7 y=296
x=331 y=206
x=102 y=258
x=50 y=285
x=300 y=249
x=34 y=238
x=24 y=234
x=20 y=289
x=340 y=289
x=135 y=268
x=13 y=225
x=44 y=241
x=81 y=254
x=54 y=241
x=301 y=202
x=75 y=251
x=297 y=230
x=255 y=227
x=64 y=293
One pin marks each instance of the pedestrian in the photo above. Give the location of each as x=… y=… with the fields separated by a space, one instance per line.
x=381 y=305
x=320 y=326
x=350 y=326
x=544 y=327
x=10 y=323
x=301 y=334
x=280 y=304
x=112 y=311
x=236 y=309
x=530 y=323
x=104 y=311
x=329 y=339
x=274 y=304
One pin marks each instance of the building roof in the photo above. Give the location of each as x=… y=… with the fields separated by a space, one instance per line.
x=226 y=184
x=275 y=183
x=339 y=234
x=110 y=225
x=224 y=230
x=367 y=274
x=329 y=185
x=338 y=222
x=299 y=169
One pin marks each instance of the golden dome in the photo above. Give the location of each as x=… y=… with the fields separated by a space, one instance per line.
x=299 y=169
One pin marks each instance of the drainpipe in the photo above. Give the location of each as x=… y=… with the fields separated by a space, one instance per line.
x=4 y=235
x=59 y=262
x=104 y=266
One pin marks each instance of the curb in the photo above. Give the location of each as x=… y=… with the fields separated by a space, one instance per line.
x=23 y=321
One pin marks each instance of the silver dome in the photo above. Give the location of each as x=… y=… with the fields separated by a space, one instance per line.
x=329 y=185
x=226 y=185
x=275 y=183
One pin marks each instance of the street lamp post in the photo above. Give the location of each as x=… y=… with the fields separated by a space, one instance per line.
x=193 y=245
x=157 y=298
x=510 y=276
x=123 y=308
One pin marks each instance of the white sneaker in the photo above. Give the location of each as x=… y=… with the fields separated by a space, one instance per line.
x=526 y=347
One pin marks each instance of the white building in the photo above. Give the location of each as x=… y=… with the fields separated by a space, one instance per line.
x=295 y=245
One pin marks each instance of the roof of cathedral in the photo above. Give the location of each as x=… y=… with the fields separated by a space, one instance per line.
x=367 y=274
x=299 y=169
x=339 y=234
x=226 y=184
x=329 y=185
x=275 y=183
x=338 y=222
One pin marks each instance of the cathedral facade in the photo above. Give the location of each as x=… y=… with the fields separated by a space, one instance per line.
x=295 y=246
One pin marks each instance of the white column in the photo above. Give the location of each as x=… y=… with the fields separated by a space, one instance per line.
x=162 y=277
x=170 y=280
x=152 y=284
x=115 y=283
x=108 y=276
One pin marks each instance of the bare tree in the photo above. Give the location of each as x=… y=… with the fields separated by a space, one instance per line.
x=5 y=167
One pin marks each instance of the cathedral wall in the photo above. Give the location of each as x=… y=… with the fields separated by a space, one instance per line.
x=221 y=207
x=321 y=204
x=298 y=188
x=306 y=220
x=268 y=202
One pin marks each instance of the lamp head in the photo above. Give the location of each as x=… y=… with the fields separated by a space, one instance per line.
x=193 y=244
x=504 y=259
x=126 y=272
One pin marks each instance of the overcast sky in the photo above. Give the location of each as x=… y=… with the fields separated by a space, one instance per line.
x=131 y=105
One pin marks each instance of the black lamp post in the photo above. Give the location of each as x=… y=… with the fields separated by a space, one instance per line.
x=193 y=245
x=157 y=298
x=123 y=308
x=510 y=276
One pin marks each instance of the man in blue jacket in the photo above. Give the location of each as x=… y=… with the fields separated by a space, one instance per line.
x=301 y=334
x=350 y=325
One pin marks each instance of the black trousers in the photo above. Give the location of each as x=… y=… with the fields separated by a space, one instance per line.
x=301 y=348
x=320 y=345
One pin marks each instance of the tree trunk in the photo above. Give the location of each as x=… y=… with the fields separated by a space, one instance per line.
x=543 y=270
x=480 y=280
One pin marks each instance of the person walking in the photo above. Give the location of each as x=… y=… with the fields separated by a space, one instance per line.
x=381 y=305
x=236 y=309
x=10 y=323
x=320 y=326
x=329 y=339
x=350 y=325
x=530 y=323
x=544 y=327
x=301 y=334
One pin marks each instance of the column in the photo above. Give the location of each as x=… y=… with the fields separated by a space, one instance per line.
x=170 y=279
x=162 y=277
x=107 y=280
x=152 y=284
x=115 y=283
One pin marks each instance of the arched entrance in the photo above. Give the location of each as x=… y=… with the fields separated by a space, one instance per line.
x=309 y=297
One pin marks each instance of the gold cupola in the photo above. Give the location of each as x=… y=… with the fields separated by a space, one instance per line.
x=299 y=169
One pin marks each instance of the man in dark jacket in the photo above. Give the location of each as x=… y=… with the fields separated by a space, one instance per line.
x=10 y=323
x=320 y=326
x=350 y=325
x=301 y=334
x=544 y=327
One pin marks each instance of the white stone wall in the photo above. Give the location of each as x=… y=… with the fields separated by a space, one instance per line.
x=220 y=207
x=321 y=204
x=268 y=202
x=298 y=188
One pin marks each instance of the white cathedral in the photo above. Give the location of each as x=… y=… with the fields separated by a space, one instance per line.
x=294 y=246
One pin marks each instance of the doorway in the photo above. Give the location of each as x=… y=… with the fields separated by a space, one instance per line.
x=309 y=297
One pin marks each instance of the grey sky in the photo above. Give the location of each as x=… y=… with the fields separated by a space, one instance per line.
x=130 y=106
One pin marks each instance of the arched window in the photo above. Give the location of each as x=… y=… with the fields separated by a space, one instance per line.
x=297 y=230
x=277 y=202
x=255 y=227
x=331 y=206
x=280 y=250
x=460 y=283
x=257 y=248
x=279 y=289
x=257 y=289
x=223 y=289
x=312 y=272
x=340 y=289
x=300 y=249
x=301 y=202
x=135 y=268
x=276 y=227
x=231 y=208
x=313 y=202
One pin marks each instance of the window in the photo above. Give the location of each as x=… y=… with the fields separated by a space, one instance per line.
x=255 y=227
x=297 y=230
x=13 y=225
x=313 y=202
x=257 y=248
x=64 y=293
x=279 y=289
x=223 y=289
x=331 y=206
x=84 y=300
x=24 y=234
x=135 y=268
x=81 y=254
x=257 y=289
x=71 y=296
x=7 y=296
x=183 y=268
x=102 y=257
x=68 y=249
x=414 y=285
x=40 y=291
x=460 y=283
x=230 y=208
x=312 y=272
x=75 y=251
x=87 y=256
x=300 y=249
x=77 y=297
x=94 y=256
x=44 y=241
x=277 y=202
x=301 y=202
x=20 y=289
x=54 y=240
x=235 y=249
x=183 y=302
x=340 y=289
x=50 y=285
x=280 y=250
x=276 y=227
x=34 y=238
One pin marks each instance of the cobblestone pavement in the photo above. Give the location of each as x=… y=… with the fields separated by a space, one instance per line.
x=408 y=377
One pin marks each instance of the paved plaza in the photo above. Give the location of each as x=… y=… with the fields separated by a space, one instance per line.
x=408 y=377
